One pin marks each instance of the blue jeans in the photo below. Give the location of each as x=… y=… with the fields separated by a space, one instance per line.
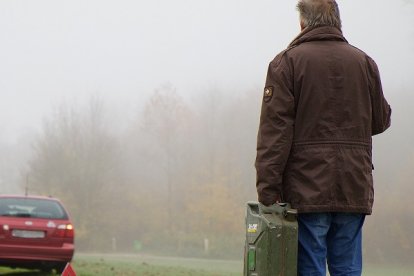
x=333 y=239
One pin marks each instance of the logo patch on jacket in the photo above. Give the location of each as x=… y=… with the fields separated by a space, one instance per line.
x=268 y=94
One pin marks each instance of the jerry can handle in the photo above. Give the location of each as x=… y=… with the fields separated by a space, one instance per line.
x=292 y=212
x=277 y=208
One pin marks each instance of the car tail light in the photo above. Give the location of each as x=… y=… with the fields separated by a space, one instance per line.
x=65 y=231
x=3 y=229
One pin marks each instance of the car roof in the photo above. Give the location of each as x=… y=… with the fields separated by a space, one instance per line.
x=29 y=197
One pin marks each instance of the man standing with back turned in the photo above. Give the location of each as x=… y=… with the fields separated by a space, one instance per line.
x=322 y=103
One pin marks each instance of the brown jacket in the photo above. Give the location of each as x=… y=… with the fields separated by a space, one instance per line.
x=323 y=101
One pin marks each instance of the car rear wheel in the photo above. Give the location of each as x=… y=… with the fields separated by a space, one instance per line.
x=46 y=268
x=59 y=267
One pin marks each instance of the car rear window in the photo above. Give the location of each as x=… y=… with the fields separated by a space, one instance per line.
x=31 y=208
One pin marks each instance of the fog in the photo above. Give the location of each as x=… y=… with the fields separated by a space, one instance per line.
x=152 y=107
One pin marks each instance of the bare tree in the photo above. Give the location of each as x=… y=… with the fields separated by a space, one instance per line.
x=78 y=160
x=165 y=120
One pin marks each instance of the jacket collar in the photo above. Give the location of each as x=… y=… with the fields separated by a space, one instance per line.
x=318 y=34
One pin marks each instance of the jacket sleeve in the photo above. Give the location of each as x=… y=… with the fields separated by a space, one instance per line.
x=381 y=110
x=275 y=131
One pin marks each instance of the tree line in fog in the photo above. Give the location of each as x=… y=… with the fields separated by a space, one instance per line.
x=175 y=178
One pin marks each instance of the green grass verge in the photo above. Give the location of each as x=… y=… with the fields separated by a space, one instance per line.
x=125 y=265
x=91 y=264
x=121 y=268
x=387 y=270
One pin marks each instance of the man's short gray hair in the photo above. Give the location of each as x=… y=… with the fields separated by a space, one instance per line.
x=314 y=13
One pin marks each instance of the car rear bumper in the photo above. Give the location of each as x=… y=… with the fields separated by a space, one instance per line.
x=16 y=253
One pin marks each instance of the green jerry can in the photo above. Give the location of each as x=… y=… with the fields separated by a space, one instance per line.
x=271 y=247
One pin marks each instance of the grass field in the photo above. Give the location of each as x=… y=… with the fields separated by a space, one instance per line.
x=125 y=264
x=150 y=265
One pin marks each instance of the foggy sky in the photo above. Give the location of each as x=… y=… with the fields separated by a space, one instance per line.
x=54 y=51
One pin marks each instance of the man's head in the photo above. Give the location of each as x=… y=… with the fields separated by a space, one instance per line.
x=314 y=13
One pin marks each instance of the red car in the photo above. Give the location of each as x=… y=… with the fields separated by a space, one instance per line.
x=35 y=232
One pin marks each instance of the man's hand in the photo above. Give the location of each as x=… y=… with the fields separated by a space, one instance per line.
x=275 y=200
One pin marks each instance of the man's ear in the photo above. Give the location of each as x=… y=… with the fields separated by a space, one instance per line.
x=302 y=26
